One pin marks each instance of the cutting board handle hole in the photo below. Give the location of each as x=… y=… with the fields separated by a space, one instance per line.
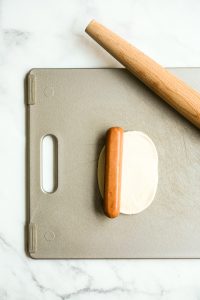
x=49 y=163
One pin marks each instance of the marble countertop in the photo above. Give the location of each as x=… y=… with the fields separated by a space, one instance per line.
x=50 y=33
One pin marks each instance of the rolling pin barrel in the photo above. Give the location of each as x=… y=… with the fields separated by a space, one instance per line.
x=171 y=89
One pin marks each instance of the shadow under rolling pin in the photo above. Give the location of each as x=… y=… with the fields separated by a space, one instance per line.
x=171 y=89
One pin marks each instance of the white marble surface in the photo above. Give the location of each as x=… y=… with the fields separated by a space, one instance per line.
x=50 y=33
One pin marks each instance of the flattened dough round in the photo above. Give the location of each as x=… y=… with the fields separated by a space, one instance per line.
x=139 y=172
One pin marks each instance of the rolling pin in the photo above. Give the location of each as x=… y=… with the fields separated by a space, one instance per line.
x=171 y=89
x=113 y=171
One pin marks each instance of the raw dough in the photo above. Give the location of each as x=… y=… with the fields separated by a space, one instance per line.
x=139 y=172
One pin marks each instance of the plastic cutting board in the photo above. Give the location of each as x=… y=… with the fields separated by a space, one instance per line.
x=77 y=106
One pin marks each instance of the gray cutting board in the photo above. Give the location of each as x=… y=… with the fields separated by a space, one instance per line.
x=78 y=106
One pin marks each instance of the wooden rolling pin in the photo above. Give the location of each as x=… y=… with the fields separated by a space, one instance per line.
x=113 y=171
x=171 y=89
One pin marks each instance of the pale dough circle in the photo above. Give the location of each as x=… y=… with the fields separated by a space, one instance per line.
x=139 y=172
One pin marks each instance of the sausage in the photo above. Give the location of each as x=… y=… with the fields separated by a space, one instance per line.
x=113 y=171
